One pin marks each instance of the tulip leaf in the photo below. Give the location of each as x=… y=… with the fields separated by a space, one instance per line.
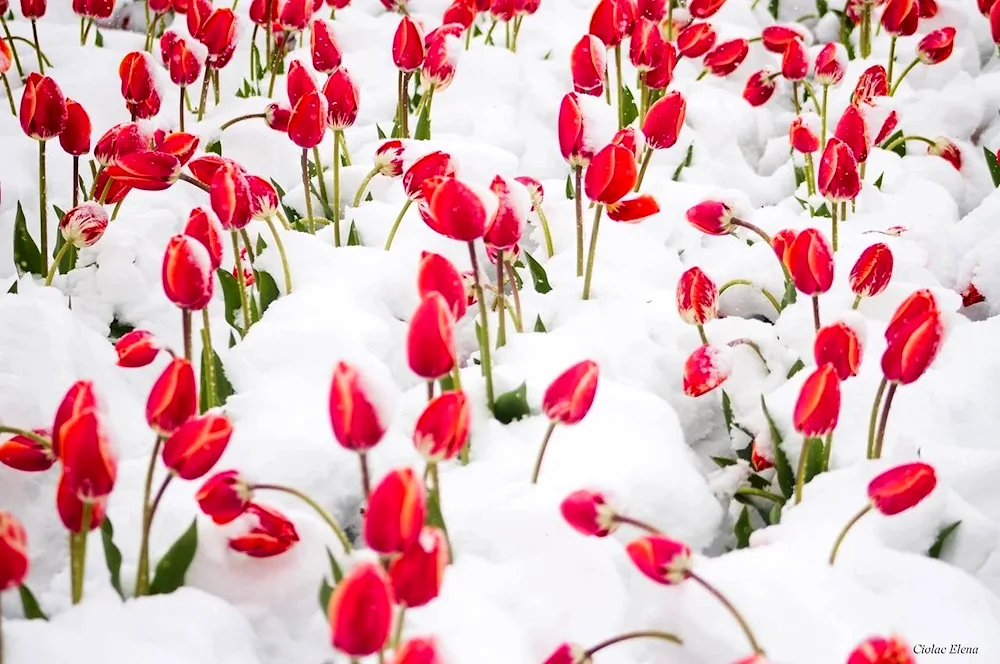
x=727 y=412
x=27 y=258
x=688 y=157
x=267 y=287
x=821 y=7
x=353 y=237
x=260 y=245
x=538 y=276
x=230 y=295
x=570 y=191
x=381 y=134
x=991 y=163
x=722 y=462
x=743 y=529
x=795 y=368
x=772 y=8
x=112 y=556
x=774 y=517
x=629 y=110
x=512 y=405
x=786 y=478
x=209 y=398
x=900 y=148
x=800 y=176
x=423 y=132
x=878 y=182
x=938 y=547
x=29 y=604
x=821 y=211
x=173 y=566
x=13 y=289
x=325 y=591
x=338 y=573
x=215 y=147
x=539 y=325
x=814 y=458
x=254 y=309
x=98 y=39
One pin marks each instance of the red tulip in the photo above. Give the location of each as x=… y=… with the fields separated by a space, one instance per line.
x=802 y=134
x=704 y=370
x=355 y=420
x=878 y=650
x=900 y=17
x=610 y=175
x=389 y=159
x=872 y=83
x=569 y=397
x=971 y=296
x=183 y=65
x=431 y=339
x=697 y=297
x=795 y=61
x=660 y=76
x=609 y=22
x=419 y=650
x=760 y=461
x=273 y=535
x=360 y=611
x=196 y=14
x=230 y=197
x=853 y=130
x=704 y=8
x=121 y=140
x=276 y=116
x=204 y=227
x=13 y=552
x=308 y=120
x=913 y=347
x=910 y=313
x=994 y=16
x=900 y=488
x=197 y=445
x=417 y=574
x=408 y=45
x=818 y=405
x=810 y=262
x=89 y=464
x=342 y=99
x=645 y=45
x=224 y=496
x=831 y=64
x=695 y=40
x=136 y=73
x=299 y=82
x=436 y=274
x=504 y=230
x=438 y=68
x=588 y=513
x=25 y=454
x=776 y=38
x=6 y=56
x=654 y=10
x=927 y=8
x=936 y=47
x=633 y=209
x=323 y=47
x=725 y=58
x=781 y=242
x=460 y=12
x=888 y=126
x=711 y=218
x=946 y=150
x=71 y=507
x=137 y=349
x=264 y=201
x=433 y=164
x=872 y=271
x=43 y=113
x=147 y=171
x=178 y=144
x=759 y=87
x=838 y=176
x=664 y=121
x=32 y=9
x=75 y=136
x=838 y=344
x=457 y=211
x=571 y=133
x=173 y=399
x=78 y=398
x=263 y=12
x=588 y=65
x=219 y=34
x=187 y=273
x=294 y=15
x=84 y=225
x=660 y=558
x=443 y=427
x=568 y=653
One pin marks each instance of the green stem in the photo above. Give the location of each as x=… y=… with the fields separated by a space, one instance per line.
x=38 y=51
x=883 y=420
x=229 y=123
x=13 y=47
x=578 y=197
x=204 y=93
x=847 y=528
x=760 y=493
x=857 y=302
x=642 y=525
x=488 y=39
x=752 y=345
x=118 y=206
x=517 y=31
x=310 y=222
x=244 y=297
x=746 y=282
x=902 y=139
x=800 y=474
x=323 y=514
x=38 y=47
x=815 y=308
x=436 y=492
x=487 y=365
x=646 y=158
x=647 y=634
x=30 y=435
x=810 y=175
x=756 y=230
x=701 y=334
x=834 y=226
x=209 y=367
x=866 y=30
x=43 y=209
x=363 y=186
x=395 y=224
x=732 y=609
x=501 y=308
x=541 y=451
x=336 y=187
x=324 y=198
x=874 y=417
x=345 y=153
x=621 y=86
x=142 y=574
x=149 y=28
x=78 y=554
x=892 y=59
x=593 y=251
x=55 y=262
x=397 y=633
x=76 y=181
x=518 y=320
x=10 y=95
x=902 y=75
x=281 y=252
x=813 y=98
x=549 y=250
x=823 y=115
x=401 y=108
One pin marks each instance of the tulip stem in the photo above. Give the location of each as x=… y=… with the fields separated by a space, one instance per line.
x=813 y=98
x=815 y=302
x=701 y=334
x=323 y=514
x=663 y=636
x=432 y=469
x=13 y=48
x=310 y=222
x=363 y=186
x=541 y=451
x=402 y=103
x=756 y=230
x=180 y=110
x=184 y=177
x=209 y=366
x=746 y=282
x=823 y=115
x=843 y=533
x=638 y=524
x=646 y=158
x=578 y=196
x=729 y=607
x=810 y=175
x=487 y=364
x=38 y=48
x=10 y=95
x=593 y=250
x=204 y=93
x=501 y=308
x=78 y=553
x=621 y=86
x=892 y=61
x=880 y=436
x=142 y=574
x=76 y=181
x=324 y=198
x=752 y=345
x=397 y=632
x=866 y=30
x=545 y=230
x=55 y=263
x=874 y=416
x=30 y=435
x=241 y=282
x=395 y=224
x=760 y=493
x=43 y=211
x=518 y=319
x=800 y=474
x=366 y=481
x=337 y=133
x=902 y=75
x=240 y=118
x=281 y=252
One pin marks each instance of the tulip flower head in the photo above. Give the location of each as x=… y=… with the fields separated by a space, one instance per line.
x=224 y=496
x=569 y=397
x=705 y=369
x=872 y=271
x=196 y=446
x=418 y=573
x=589 y=513
x=13 y=552
x=879 y=650
x=443 y=427
x=27 y=454
x=838 y=344
x=818 y=406
x=902 y=487
x=360 y=611
x=660 y=558
x=272 y=535
x=84 y=225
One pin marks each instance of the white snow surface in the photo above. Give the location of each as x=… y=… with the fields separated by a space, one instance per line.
x=523 y=581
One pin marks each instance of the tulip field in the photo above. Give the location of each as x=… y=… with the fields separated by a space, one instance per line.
x=499 y=331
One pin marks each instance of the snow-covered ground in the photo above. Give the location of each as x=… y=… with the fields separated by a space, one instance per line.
x=523 y=581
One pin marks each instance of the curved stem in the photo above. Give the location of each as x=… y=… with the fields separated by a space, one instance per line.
x=395 y=224
x=815 y=302
x=310 y=222
x=484 y=322
x=204 y=93
x=593 y=251
x=880 y=436
x=241 y=282
x=240 y=118
x=142 y=574
x=732 y=609
x=618 y=518
x=800 y=473
x=363 y=186
x=323 y=514
x=37 y=50
x=43 y=208
x=541 y=451
x=663 y=636
x=578 y=197
x=279 y=245
x=874 y=417
x=746 y=282
x=518 y=318
x=501 y=307
x=545 y=230
x=843 y=533
x=646 y=158
x=814 y=98
x=55 y=262
x=183 y=178
x=13 y=47
x=209 y=366
x=78 y=553
x=892 y=59
x=10 y=95
x=754 y=347
x=30 y=435
x=336 y=186
x=903 y=139
x=902 y=75
x=320 y=177
x=756 y=230
x=760 y=493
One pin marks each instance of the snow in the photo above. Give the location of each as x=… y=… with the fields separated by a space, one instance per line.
x=522 y=580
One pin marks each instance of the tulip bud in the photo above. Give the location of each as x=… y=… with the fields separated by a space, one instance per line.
x=26 y=454
x=695 y=40
x=588 y=513
x=802 y=133
x=355 y=421
x=872 y=271
x=146 y=171
x=230 y=197
x=342 y=99
x=71 y=507
x=137 y=348
x=654 y=10
x=75 y=136
x=569 y=653
x=660 y=76
x=611 y=175
x=431 y=338
x=660 y=558
x=360 y=611
x=219 y=33
x=418 y=651
x=913 y=346
x=417 y=574
x=781 y=242
x=504 y=230
x=187 y=275
x=810 y=262
x=456 y=209
x=760 y=87
x=571 y=132
x=308 y=120
x=877 y=650
x=948 y=151
x=43 y=113
x=408 y=45
x=759 y=459
x=588 y=64
x=395 y=513
x=645 y=45
x=276 y=116
x=438 y=68
x=971 y=296
x=872 y=83
x=794 y=61
x=888 y=126
x=569 y=397
x=32 y=9
x=197 y=445
x=204 y=227
x=838 y=344
x=838 y=176
x=697 y=297
x=831 y=64
x=173 y=398
x=89 y=465
x=633 y=209
x=78 y=398
x=179 y=144
x=120 y=140
x=705 y=369
x=6 y=55
x=443 y=427
x=437 y=274
x=224 y=496
x=664 y=121
x=273 y=535
x=137 y=78
x=711 y=218
x=776 y=38
x=323 y=47
x=13 y=552
x=704 y=8
x=927 y=8
x=726 y=58
x=900 y=488
x=434 y=164
x=853 y=130
x=818 y=405
x=609 y=23
x=389 y=159
x=84 y=225
x=900 y=17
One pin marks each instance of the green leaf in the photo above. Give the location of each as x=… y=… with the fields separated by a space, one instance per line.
x=991 y=163
x=878 y=182
x=743 y=529
x=338 y=574
x=223 y=390
x=821 y=211
x=547 y=56
x=722 y=462
x=27 y=258
x=800 y=176
x=268 y=289
x=29 y=604
x=447 y=383
x=215 y=147
x=173 y=566
x=260 y=245
x=230 y=295
x=821 y=7
x=814 y=459
x=538 y=276
x=795 y=368
x=539 y=325
x=772 y=8
x=727 y=411
x=254 y=309
x=899 y=149
x=774 y=517
x=13 y=289
x=325 y=591
x=353 y=237
x=112 y=556
x=512 y=405
x=938 y=547
x=480 y=340
x=758 y=482
x=629 y=110
x=688 y=157
x=119 y=329
x=381 y=134
x=423 y=132
x=786 y=478
x=570 y=192
x=434 y=516
x=98 y=39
